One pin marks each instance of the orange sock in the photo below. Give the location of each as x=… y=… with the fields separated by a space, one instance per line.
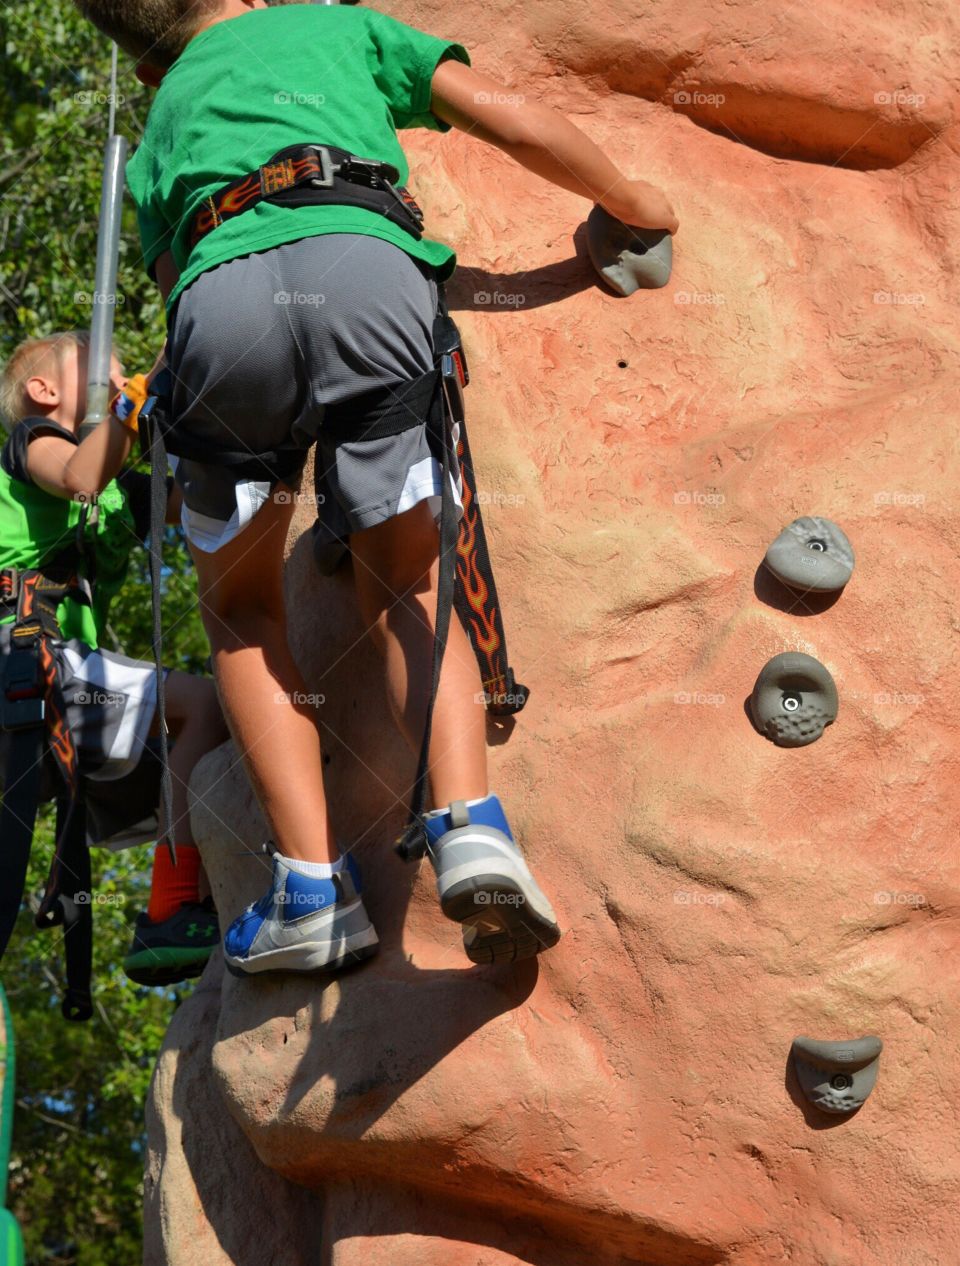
x=172 y=886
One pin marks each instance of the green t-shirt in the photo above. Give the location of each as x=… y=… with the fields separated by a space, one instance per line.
x=36 y=526
x=247 y=87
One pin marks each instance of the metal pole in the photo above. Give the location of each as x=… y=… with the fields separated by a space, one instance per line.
x=111 y=125
x=105 y=281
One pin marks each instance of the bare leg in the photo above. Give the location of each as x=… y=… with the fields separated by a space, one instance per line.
x=396 y=568
x=264 y=696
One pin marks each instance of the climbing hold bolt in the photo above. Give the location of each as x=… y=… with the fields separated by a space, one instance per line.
x=794 y=700
x=837 y=1076
x=811 y=554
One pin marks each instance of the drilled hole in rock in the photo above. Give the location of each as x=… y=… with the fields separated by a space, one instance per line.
x=622 y=364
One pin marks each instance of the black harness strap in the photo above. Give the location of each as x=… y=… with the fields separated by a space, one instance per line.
x=21 y=797
x=476 y=599
x=412 y=843
x=71 y=909
x=403 y=408
x=477 y=602
x=151 y=424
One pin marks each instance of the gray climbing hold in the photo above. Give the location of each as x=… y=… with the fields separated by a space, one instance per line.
x=811 y=554
x=794 y=700
x=837 y=1076
x=627 y=258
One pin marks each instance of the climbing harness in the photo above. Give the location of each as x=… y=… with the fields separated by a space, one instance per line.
x=38 y=741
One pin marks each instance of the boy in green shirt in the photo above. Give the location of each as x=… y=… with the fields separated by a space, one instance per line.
x=47 y=477
x=297 y=315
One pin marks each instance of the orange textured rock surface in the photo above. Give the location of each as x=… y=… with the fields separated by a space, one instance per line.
x=630 y=1100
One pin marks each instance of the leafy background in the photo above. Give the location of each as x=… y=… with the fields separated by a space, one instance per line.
x=76 y=1171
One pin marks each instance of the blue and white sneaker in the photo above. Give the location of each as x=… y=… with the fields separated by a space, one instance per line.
x=302 y=924
x=484 y=883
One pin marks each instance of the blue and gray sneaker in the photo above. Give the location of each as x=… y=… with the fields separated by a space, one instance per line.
x=484 y=883
x=302 y=924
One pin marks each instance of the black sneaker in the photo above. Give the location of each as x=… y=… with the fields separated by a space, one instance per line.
x=176 y=949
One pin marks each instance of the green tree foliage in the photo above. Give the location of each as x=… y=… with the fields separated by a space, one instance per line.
x=77 y=1164
x=54 y=114
x=78 y=1144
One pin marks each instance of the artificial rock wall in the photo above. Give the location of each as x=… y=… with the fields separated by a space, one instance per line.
x=629 y=1099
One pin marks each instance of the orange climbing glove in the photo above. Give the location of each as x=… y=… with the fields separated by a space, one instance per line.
x=126 y=404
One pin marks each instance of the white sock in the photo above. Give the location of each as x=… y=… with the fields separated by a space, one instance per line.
x=315 y=870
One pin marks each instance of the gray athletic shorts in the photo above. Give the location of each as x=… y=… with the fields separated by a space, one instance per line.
x=265 y=348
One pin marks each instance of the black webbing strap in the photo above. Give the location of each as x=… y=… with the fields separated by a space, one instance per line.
x=393 y=410
x=477 y=601
x=274 y=463
x=152 y=427
x=67 y=903
x=475 y=596
x=412 y=844
x=21 y=796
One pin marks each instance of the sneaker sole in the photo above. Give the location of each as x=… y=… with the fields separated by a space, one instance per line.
x=161 y=979
x=167 y=964
x=499 y=924
x=306 y=961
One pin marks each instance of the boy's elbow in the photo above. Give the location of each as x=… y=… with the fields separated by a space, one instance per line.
x=78 y=487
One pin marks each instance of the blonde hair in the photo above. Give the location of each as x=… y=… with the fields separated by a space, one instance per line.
x=26 y=362
x=154 y=31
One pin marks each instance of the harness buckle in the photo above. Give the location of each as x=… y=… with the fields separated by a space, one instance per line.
x=327 y=167
x=407 y=205
x=22 y=704
x=369 y=171
x=448 y=346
